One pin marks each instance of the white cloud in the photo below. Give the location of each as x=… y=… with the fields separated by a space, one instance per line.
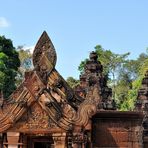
x=3 y=22
x=30 y=48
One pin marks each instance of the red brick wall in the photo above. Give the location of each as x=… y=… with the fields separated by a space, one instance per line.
x=117 y=129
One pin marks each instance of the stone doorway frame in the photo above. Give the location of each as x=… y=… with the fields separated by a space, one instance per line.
x=31 y=139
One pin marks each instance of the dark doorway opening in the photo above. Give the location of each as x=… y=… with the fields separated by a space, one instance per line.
x=45 y=141
x=42 y=145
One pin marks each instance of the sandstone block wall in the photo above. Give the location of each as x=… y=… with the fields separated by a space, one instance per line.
x=112 y=129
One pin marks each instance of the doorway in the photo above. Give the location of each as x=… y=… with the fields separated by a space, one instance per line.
x=40 y=142
x=42 y=145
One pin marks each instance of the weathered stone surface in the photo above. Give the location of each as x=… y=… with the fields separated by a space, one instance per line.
x=93 y=74
x=142 y=106
x=117 y=129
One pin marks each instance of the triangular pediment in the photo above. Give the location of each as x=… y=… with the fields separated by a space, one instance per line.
x=35 y=119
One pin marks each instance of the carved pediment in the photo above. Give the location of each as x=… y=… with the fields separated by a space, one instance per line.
x=34 y=120
x=46 y=93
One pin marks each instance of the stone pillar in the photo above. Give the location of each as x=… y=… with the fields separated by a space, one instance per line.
x=59 y=140
x=1 y=140
x=13 y=139
x=79 y=140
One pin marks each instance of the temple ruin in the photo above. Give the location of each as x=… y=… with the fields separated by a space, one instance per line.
x=45 y=112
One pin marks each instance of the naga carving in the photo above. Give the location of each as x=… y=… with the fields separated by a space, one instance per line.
x=59 y=100
x=46 y=86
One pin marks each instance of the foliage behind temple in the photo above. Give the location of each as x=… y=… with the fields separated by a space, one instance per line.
x=9 y=63
x=124 y=75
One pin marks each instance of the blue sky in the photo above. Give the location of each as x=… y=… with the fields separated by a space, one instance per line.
x=76 y=27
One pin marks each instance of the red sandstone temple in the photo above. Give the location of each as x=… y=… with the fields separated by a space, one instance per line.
x=44 y=112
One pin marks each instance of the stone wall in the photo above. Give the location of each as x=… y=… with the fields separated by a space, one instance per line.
x=117 y=129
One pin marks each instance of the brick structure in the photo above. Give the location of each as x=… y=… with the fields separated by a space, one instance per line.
x=113 y=129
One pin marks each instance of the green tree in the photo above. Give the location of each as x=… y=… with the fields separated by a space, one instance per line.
x=124 y=74
x=129 y=101
x=112 y=63
x=9 y=63
x=25 y=57
x=72 y=82
x=136 y=70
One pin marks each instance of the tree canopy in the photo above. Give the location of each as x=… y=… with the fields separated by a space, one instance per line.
x=72 y=82
x=9 y=63
x=26 y=64
x=124 y=75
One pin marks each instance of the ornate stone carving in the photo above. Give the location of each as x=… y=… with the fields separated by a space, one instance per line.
x=44 y=52
x=34 y=119
x=19 y=102
x=63 y=106
x=142 y=102
x=45 y=86
x=93 y=74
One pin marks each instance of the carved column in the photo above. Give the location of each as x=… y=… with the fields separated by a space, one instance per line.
x=59 y=140
x=79 y=140
x=13 y=139
x=1 y=140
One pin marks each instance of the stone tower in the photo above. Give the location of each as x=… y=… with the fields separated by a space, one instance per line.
x=93 y=73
